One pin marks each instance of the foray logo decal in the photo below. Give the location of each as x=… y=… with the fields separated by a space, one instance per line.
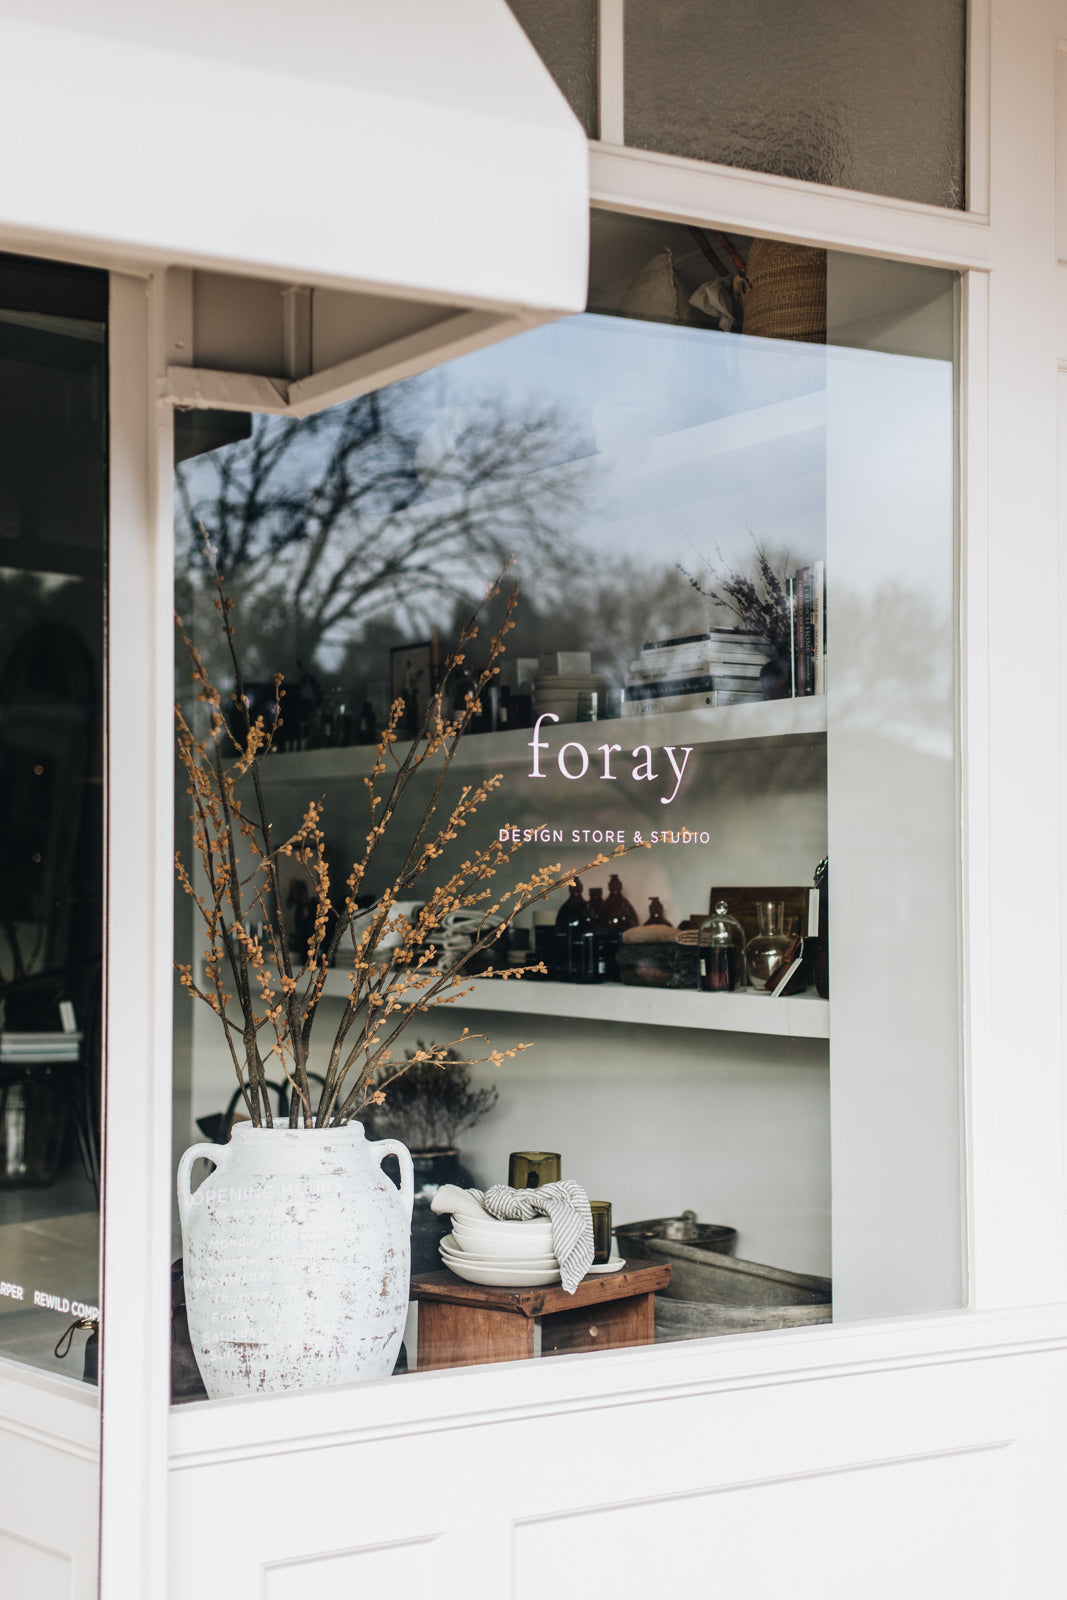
x=575 y=761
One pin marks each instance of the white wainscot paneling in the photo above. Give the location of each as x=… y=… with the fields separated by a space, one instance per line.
x=30 y=1570
x=405 y=1567
x=782 y=1537
x=49 y=1486
x=923 y=1459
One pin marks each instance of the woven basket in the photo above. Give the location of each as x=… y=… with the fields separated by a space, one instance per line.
x=784 y=292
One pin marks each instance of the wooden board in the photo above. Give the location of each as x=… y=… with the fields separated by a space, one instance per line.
x=741 y=903
x=636 y=1277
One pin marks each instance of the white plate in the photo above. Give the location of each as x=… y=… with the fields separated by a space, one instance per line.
x=612 y=1265
x=502 y=1277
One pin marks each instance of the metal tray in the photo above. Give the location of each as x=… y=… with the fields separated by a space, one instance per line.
x=723 y=1280
x=700 y=1319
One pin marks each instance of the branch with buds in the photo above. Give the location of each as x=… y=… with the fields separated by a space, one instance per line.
x=266 y=995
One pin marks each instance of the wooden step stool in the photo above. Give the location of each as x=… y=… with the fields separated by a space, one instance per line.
x=463 y=1324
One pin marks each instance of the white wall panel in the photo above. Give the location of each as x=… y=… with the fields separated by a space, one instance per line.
x=641 y=1548
x=406 y=1567
x=30 y=1569
x=833 y=1469
x=49 y=1486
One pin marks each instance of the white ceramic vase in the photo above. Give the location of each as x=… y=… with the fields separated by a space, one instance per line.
x=296 y=1252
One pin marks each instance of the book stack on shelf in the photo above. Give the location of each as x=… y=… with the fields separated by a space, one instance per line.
x=807 y=611
x=718 y=668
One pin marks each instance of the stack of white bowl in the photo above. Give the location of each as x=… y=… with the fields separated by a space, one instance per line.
x=502 y=1255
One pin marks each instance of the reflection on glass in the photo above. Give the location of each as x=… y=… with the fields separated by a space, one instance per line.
x=682 y=512
x=860 y=95
x=52 y=569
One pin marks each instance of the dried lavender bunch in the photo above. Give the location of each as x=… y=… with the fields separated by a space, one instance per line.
x=433 y=1103
x=759 y=604
x=273 y=1000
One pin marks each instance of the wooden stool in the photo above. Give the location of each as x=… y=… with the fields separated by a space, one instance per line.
x=463 y=1324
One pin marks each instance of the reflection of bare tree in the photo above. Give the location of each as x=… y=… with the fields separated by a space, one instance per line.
x=376 y=506
x=890 y=667
x=608 y=609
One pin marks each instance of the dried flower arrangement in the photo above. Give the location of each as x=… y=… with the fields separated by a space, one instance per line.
x=277 y=994
x=432 y=1102
x=759 y=603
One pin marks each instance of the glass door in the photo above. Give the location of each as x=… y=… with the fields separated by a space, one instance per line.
x=53 y=564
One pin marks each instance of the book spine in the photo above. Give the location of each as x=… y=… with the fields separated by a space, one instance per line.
x=812 y=646
x=802 y=633
x=732 y=638
x=819 y=627
x=693 y=683
x=791 y=602
x=644 y=672
x=690 y=702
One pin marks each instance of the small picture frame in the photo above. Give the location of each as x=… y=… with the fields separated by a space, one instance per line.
x=413 y=679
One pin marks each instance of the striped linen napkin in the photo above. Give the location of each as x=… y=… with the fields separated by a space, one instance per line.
x=565 y=1204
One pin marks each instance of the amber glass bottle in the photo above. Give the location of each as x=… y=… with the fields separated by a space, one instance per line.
x=619 y=915
x=656 y=919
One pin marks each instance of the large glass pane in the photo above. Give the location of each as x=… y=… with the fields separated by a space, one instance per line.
x=52 y=574
x=732 y=656
x=850 y=92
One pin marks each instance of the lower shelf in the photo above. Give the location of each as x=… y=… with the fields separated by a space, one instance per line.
x=802 y=1017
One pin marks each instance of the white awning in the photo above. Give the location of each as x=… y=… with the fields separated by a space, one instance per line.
x=412 y=149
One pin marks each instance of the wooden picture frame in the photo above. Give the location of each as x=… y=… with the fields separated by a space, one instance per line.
x=413 y=676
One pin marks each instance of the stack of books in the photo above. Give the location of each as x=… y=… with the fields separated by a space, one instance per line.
x=717 y=668
x=807 y=608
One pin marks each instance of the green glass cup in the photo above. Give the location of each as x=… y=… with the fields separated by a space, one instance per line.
x=601 y=1210
x=532 y=1169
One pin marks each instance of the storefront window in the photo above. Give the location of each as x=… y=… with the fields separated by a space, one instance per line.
x=53 y=524
x=726 y=494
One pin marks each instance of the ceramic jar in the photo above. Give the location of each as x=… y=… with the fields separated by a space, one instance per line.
x=296 y=1251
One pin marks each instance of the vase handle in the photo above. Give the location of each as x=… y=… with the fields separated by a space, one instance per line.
x=393 y=1147
x=209 y=1152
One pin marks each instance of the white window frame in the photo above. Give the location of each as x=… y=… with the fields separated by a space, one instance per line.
x=142 y=1440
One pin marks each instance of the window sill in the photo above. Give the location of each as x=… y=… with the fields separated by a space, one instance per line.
x=256 y=1426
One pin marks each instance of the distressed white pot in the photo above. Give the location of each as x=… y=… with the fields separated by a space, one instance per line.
x=296 y=1252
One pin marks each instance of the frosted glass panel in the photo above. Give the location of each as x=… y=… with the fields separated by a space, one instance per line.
x=845 y=92
x=563 y=32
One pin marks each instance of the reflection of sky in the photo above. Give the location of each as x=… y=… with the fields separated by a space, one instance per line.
x=683 y=445
x=680 y=475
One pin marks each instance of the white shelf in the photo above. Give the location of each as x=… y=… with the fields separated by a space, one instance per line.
x=802 y=1017
x=760 y=722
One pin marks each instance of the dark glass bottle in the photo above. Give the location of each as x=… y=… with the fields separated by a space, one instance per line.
x=656 y=919
x=598 y=917
x=619 y=915
x=579 y=938
x=464 y=685
x=367 y=725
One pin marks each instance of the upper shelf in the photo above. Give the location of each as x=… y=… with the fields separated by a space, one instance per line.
x=761 y=722
x=802 y=1017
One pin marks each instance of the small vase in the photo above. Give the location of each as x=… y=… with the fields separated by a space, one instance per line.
x=432 y=1169
x=765 y=950
x=296 y=1252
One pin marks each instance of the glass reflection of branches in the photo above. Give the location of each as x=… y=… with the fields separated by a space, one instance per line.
x=380 y=511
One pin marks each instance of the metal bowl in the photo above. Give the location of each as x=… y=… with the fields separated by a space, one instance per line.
x=633 y=1237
